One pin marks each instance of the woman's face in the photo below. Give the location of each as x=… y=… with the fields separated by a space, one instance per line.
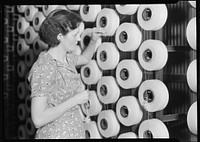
x=70 y=40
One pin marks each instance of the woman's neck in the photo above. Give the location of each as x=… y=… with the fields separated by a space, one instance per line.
x=58 y=53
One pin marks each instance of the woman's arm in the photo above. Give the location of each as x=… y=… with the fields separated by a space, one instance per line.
x=87 y=54
x=89 y=51
x=42 y=115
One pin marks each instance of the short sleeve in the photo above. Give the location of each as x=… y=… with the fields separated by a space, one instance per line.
x=41 y=80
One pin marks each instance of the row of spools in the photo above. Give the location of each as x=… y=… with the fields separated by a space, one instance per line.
x=153 y=95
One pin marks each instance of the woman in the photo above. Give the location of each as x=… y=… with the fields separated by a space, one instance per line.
x=56 y=87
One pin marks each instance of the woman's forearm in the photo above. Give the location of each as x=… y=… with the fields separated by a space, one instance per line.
x=89 y=50
x=48 y=115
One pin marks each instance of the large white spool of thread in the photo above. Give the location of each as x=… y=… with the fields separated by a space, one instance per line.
x=91 y=130
x=21 y=112
x=22 y=25
x=152 y=16
x=128 y=110
x=107 y=21
x=89 y=12
x=128 y=74
x=152 y=55
x=73 y=7
x=153 y=128
x=46 y=9
x=86 y=37
x=30 y=12
x=107 y=123
x=21 y=8
x=21 y=68
x=30 y=35
x=30 y=58
x=37 y=20
x=28 y=103
x=30 y=129
x=108 y=90
x=22 y=47
x=39 y=46
x=191 y=33
x=91 y=73
x=192 y=3
x=192 y=75
x=107 y=56
x=128 y=37
x=153 y=95
x=94 y=106
x=21 y=90
x=128 y=135
x=22 y=132
x=127 y=9
x=192 y=118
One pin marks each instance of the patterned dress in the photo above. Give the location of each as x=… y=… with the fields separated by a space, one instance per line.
x=59 y=82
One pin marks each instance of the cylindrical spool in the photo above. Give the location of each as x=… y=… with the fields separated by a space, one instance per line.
x=191 y=33
x=28 y=103
x=22 y=47
x=107 y=123
x=91 y=131
x=153 y=128
x=192 y=3
x=22 y=25
x=21 y=68
x=192 y=75
x=128 y=110
x=30 y=129
x=127 y=9
x=73 y=7
x=30 y=12
x=21 y=112
x=128 y=37
x=152 y=55
x=107 y=56
x=22 y=132
x=46 y=9
x=107 y=21
x=30 y=58
x=152 y=17
x=39 y=46
x=153 y=95
x=86 y=37
x=128 y=135
x=21 y=8
x=37 y=20
x=89 y=12
x=128 y=74
x=108 y=90
x=192 y=118
x=30 y=35
x=94 y=107
x=91 y=73
x=21 y=90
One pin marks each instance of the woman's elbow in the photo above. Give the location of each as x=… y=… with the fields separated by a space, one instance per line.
x=37 y=123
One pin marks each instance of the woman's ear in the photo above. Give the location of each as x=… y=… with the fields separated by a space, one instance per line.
x=59 y=36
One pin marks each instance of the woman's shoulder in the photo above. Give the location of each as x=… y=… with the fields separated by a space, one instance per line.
x=44 y=64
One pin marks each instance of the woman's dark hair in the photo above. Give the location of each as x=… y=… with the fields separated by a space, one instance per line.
x=58 y=21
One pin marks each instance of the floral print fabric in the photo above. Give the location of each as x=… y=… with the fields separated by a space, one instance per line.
x=58 y=82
